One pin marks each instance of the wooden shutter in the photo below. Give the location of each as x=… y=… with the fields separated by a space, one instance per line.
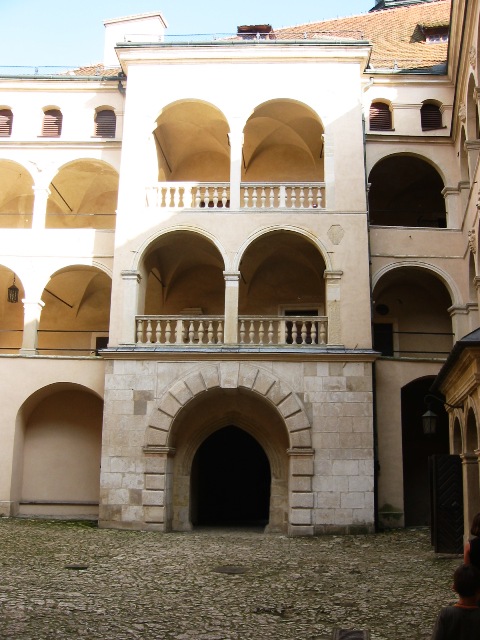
x=6 y=120
x=105 y=123
x=431 y=117
x=52 y=123
x=380 y=117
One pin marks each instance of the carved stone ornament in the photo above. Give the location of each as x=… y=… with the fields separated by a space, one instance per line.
x=472 y=240
x=462 y=112
x=472 y=54
x=336 y=233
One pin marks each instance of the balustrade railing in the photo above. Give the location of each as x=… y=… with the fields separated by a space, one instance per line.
x=283 y=330
x=300 y=195
x=253 y=195
x=252 y=330
x=189 y=195
x=185 y=330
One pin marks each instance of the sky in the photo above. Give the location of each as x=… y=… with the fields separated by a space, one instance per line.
x=63 y=33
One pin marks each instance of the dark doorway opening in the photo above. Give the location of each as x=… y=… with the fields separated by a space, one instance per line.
x=417 y=448
x=230 y=481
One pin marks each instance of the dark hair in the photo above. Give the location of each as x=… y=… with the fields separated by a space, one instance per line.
x=466 y=580
x=475 y=530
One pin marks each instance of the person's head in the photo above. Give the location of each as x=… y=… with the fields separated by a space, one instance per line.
x=475 y=530
x=466 y=580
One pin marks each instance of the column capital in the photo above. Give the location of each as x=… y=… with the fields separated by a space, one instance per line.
x=450 y=191
x=131 y=274
x=332 y=274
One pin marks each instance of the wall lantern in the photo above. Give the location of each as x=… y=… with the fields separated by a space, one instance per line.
x=13 y=292
x=429 y=418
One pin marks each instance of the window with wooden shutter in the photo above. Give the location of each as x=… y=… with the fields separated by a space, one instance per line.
x=6 y=120
x=380 y=117
x=52 y=123
x=431 y=117
x=105 y=123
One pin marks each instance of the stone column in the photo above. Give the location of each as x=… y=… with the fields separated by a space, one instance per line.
x=452 y=206
x=301 y=499
x=32 y=312
x=131 y=282
x=471 y=488
x=40 y=207
x=333 y=307
x=232 y=280
x=235 y=139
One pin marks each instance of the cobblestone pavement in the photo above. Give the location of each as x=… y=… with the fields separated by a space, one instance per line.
x=215 y=584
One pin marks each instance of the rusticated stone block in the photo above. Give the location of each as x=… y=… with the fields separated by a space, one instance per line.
x=278 y=393
x=297 y=422
x=169 y=405
x=155 y=481
x=211 y=377
x=289 y=406
x=181 y=392
x=301 y=500
x=263 y=383
x=157 y=437
x=301 y=516
x=301 y=438
x=154 y=514
x=153 y=498
x=160 y=420
x=195 y=383
x=246 y=376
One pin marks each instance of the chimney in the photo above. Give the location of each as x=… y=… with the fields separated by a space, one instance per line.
x=146 y=27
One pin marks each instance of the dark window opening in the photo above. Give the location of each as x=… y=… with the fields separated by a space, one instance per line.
x=380 y=117
x=6 y=121
x=431 y=117
x=101 y=342
x=105 y=123
x=383 y=338
x=52 y=123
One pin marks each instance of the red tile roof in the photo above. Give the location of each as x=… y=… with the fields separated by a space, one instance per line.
x=396 y=34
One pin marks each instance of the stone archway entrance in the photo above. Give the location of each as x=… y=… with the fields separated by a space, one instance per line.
x=230 y=480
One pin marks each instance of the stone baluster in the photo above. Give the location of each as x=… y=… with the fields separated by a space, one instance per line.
x=206 y=197
x=319 y=198
x=191 y=332
x=198 y=197
x=313 y=332
x=139 y=331
x=254 y=197
x=304 y=333
x=149 y=332
x=158 y=332
x=201 y=332
x=322 y=339
x=251 y=332
x=180 y=332
x=245 y=198
x=270 y=332
x=210 y=332
x=302 y=197
x=220 y=332
x=263 y=198
x=310 y=198
x=261 y=332
x=224 y=197
x=215 y=197
x=282 y=332
x=294 y=332
x=176 y=196
x=242 y=332
x=168 y=332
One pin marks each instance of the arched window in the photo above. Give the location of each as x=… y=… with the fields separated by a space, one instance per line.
x=380 y=117
x=52 y=123
x=105 y=123
x=431 y=116
x=6 y=121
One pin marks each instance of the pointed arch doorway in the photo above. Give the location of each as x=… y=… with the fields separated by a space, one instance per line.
x=230 y=481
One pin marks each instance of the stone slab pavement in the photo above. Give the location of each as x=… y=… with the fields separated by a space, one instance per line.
x=69 y=580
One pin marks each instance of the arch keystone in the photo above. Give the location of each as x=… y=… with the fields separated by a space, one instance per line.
x=211 y=377
x=229 y=372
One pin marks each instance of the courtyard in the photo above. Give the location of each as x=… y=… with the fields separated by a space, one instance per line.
x=72 y=580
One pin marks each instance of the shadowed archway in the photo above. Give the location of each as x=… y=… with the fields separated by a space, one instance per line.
x=230 y=480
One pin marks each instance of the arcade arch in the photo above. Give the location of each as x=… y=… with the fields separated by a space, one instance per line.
x=406 y=191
